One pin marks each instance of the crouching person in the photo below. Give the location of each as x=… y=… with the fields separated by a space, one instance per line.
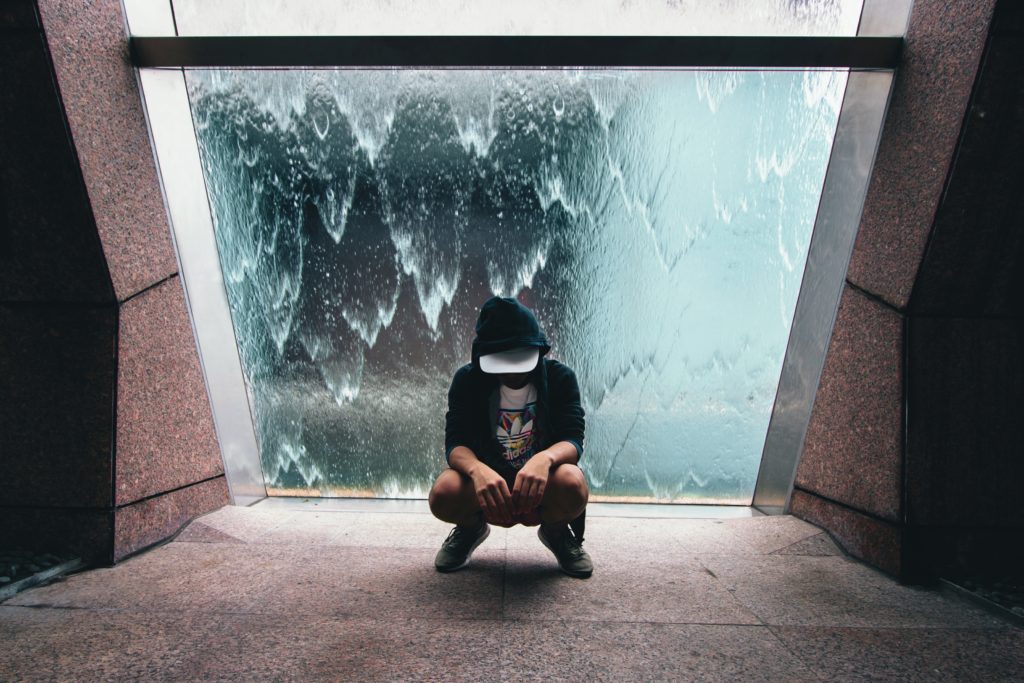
x=513 y=438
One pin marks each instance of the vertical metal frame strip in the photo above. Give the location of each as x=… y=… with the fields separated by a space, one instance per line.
x=835 y=229
x=174 y=141
x=839 y=211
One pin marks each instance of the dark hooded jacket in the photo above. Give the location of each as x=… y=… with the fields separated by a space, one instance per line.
x=472 y=416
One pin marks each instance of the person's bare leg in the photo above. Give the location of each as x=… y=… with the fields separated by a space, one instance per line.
x=453 y=500
x=565 y=497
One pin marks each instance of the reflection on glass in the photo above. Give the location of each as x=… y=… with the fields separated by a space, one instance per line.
x=525 y=17
x=656 y=221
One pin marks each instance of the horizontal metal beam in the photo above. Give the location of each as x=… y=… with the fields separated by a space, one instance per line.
x=517 y=51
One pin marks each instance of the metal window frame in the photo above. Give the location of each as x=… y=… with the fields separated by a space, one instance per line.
x=879 y=52
x=872 y=56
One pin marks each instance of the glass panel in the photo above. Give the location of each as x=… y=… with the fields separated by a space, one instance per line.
x=525 y=17
x=656 y=221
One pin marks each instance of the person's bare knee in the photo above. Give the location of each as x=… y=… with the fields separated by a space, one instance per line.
x=566 y=495
x=449 y=501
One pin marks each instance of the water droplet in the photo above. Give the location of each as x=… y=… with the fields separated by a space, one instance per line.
x=558 y=106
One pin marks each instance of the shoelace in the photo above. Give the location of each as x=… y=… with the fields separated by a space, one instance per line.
x=573 y=546
x=457 y=536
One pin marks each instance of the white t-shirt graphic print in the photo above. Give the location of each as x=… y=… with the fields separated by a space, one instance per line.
x=517 y=409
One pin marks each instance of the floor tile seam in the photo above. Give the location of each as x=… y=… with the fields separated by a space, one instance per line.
x=284 y=510
x=249 y=613
x=886 y=626
x=814 y=669
x=504 y=582
x=846 y=559
x=919 y=627
x=732 y=594
x=638 y=622
x=308 y=544
x=779 y=550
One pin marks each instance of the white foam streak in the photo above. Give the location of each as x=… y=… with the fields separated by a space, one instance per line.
x=714 y=87
x=502 y=284
x=368 y=330
x=334 y=210
x=550 y=188
x=476 y=125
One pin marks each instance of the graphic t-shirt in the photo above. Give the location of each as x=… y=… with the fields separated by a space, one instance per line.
x=516 y=411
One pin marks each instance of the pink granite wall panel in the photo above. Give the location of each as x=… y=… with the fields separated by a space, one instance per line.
x=944 y=45
x=154 y=519
x=165 y=432
x=853 y=449
x=864 y=537
x=88 y=42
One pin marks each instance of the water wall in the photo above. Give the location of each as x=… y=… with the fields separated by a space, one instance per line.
x=657 y=221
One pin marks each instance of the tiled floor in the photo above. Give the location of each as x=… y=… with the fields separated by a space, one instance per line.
x=285 y=593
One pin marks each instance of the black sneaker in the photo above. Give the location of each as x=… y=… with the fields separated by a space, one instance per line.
x=460 y=544
x=568 y=550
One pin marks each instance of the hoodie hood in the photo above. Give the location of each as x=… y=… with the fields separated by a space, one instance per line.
x=506 y=324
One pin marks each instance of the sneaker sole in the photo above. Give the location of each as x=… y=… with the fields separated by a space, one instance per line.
x=569 y=572
x=469 y=555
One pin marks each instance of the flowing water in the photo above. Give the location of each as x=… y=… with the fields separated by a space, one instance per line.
x=656 y=221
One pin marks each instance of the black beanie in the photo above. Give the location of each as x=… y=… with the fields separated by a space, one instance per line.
x=505 y=324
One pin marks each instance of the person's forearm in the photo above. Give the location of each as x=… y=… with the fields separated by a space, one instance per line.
x=561 y=453
x=463 y=460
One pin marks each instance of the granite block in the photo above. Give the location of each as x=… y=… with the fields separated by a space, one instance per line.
x=52 y=644
x=819 y=545
x=966 y=389
x=198 y=532
x=944 y=44
x=872 y=540
x=259 y=525
x=247 y=524
x=773 y=533
x=300 y=528
x=646 y=652
x=47 y=645
x=211 y=578
x=79 y=532
x=619 y=591
x=49 y=247
x=152 y=520
x=854 y=444
x=785 y=590
x=874 y=654
x=626 y=538
x=369 y=530
x=89 y=47
x=57 y=393
x=165 y=432
x=285 y=580
x=974 y=264
x=403 y=583
x=399 y=530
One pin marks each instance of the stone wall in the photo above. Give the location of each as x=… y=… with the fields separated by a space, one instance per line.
x=911 y=427
x=107 y=435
